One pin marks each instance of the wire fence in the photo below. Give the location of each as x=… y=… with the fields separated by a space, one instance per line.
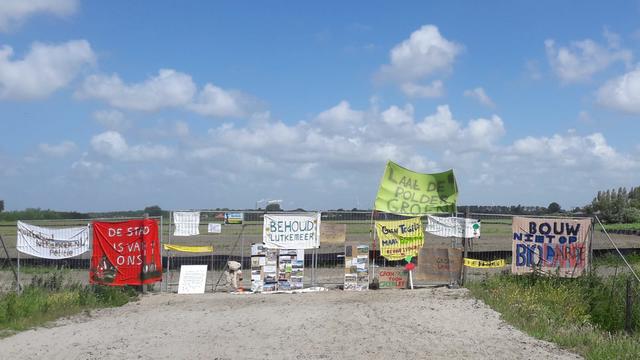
x=324 y=266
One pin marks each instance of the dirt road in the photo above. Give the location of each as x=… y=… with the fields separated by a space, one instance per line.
x=400 y=324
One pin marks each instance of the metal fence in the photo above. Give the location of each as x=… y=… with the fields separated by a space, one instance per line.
x=323 y=266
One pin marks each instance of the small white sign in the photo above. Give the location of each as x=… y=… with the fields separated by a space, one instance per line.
x=193 y=279
x=214 y=228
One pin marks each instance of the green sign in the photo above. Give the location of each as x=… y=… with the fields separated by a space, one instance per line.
x=405 y=192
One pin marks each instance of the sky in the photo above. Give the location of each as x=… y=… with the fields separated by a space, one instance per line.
x=198 y=105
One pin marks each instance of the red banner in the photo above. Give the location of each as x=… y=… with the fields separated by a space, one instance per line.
x=125 y=253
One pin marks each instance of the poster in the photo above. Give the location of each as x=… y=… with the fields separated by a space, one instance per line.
x=393 y=278
x=52 y=243
x=453 y=227
x=193 y=279
x=333 y=233
x=233 y=218
x=291 y=231
x=554 y=246
x=399 y=238
x=187 y=223
x=356 y=266
x=405 y=192
x=188 y=248
x=439 y=265
x=290 y=269
x=125 y=253
x=214 y=228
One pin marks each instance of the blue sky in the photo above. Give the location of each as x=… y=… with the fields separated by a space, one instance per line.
x=120 y=105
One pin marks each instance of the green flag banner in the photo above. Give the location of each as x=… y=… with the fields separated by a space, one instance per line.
x=405 y=192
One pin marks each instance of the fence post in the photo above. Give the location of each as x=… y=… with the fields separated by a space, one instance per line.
x=465 y=246
x=628 y=314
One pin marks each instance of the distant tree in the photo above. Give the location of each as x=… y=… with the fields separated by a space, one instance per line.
x=553 y=208
x=154 y=210
x=1 y=205
x=273 y=207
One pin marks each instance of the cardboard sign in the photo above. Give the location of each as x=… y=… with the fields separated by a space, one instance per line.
x=439 y=265
x=333 y=233
x=393 y=278
x=193 y=279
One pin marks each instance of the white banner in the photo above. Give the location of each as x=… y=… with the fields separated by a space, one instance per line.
x=293 y=231
x=453 y=227
x=52 y=243
x=187 y=223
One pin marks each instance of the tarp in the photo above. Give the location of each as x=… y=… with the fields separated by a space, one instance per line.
x=409 y=193
x=400 y=238
x=52 y=243
x=453 y=227
x=187 y=223
x=188 y=248
x=551 y=245
x=291 y=231
x=126 y=253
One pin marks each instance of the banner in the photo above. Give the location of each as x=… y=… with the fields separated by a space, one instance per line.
x=126 y=253
x=52 y=243
x=187 y=223
x=409 y=193
x=555 y=246
x=453 y=227
x=439 y=265
x=188 y=248
x=484 y=264
x=400 y=238
x=291 y=231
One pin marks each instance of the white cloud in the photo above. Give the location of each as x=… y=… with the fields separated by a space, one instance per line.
x=217 y=102
x=168 y=89
x=44 y=69
x=112 y=144
x=582 y=59
x=14 y=12
x=394 y=116
x=112 y=119
x=622 y=93
x=57 y=150
x=439 y=127
x=480 y=96
x=182 y=128
x=305 y=171
x=425 y=53
x=340 y=118
x=435 y=89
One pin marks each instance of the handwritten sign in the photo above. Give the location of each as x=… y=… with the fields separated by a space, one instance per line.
x=392 y=278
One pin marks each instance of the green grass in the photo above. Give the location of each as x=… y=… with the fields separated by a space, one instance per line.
x=584 y=315
x=613 y=259
x=48 y=298
x=630 y=226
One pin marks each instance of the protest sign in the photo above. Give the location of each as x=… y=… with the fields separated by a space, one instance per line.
x=452 y=227
x=233 y=218
x=392 y=278
x=554 y=246
x=187 y=223
x=291 y=231
x=193 y=279
x=188 y=248
x=399 y=238
x=405 y=192
x=484 y=264
x=125 y=253
x=439 y=265
x=52 y=243
x=214 y=228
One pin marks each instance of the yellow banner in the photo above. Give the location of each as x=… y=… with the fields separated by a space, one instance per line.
x=400 y=238
x=189 y=249
x=484 y=264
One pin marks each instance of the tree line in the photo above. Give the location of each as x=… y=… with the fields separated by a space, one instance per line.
x=616 y=206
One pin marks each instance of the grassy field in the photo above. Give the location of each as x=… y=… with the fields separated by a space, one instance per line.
x=630 y=226
x=584 y=315
x=50 y=297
